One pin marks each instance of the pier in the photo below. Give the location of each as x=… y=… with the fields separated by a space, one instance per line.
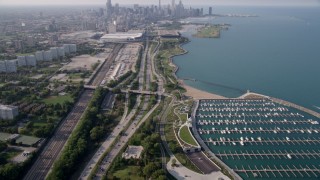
x=260 y=137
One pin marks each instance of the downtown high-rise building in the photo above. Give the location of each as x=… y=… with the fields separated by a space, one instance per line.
x=108 y=9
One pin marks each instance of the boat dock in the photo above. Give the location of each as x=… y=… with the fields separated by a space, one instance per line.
x=261 y=138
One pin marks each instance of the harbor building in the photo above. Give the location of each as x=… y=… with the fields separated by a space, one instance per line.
x=8 y=112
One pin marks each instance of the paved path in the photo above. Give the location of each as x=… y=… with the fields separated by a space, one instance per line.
x=181 y=172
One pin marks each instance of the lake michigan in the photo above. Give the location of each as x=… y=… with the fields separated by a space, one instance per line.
x=276 y=54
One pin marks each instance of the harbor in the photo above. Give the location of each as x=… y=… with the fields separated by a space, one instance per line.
x=261 y=137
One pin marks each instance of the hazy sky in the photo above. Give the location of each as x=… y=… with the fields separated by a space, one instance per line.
x=202 y=2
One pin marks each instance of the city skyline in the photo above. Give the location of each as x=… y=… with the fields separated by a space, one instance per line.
x=165 y=2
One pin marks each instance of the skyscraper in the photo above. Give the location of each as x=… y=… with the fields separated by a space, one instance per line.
x=108 y=8
x=210 y=10
x=173 y=4
x=159 y=4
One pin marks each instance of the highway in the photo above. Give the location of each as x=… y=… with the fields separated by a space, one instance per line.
x=52 y=150
x=109 y=140
x=135 y=124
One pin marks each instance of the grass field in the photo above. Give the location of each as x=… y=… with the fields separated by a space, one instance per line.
x=179 y=154
x=58 y=99
x=186 y=136
x=131 y=172
x=208 y=32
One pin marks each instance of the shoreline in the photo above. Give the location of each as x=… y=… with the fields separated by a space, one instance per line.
x=191 y=91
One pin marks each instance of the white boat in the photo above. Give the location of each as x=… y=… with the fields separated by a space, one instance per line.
x=287 y=138
x=275 y=132
x=259 y=138
x=214 y=143
x=234 y=143
x=289 y=156
x=309 y=131
x=241 y=143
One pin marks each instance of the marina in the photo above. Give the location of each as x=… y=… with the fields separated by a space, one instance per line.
x=261 y=138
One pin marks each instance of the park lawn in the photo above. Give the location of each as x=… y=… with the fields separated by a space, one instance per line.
x=183 y=117
x=131 y=172
x=208 y=32
x=186 y=136
x=58 y=99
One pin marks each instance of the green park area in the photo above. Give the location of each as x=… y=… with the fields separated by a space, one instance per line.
x=58 y=99
x=186 y=136
x=212 y=31
x=131 y=172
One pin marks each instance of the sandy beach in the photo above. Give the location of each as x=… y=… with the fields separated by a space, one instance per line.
x=199 y=94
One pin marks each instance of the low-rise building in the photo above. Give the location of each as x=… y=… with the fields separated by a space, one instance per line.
x=8 y=112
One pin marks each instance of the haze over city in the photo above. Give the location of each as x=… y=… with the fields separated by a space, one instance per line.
x=187 y=2
x=159 y=89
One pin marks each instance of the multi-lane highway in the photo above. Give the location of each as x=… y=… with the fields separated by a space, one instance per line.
x=51 y=152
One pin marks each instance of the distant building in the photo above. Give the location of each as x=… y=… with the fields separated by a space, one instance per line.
x=31 y=60
x=22 y=61
x=70 y=48
x=39 y=55
x=30 y=41
x=54 y=52
x=3 y=67
x=47 y=56
x=11 y=66
x=8 y=66
x=122 y=37
x=210 y=11
x=18 y=45
x=8 y=112
x=61 y=52
x=112 y=28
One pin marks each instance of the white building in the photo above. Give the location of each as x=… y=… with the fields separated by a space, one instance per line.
x=54 y=52
x=61 y=52
x=11 y=65
x=31 y=60
x=47 y=56
x=22 y=61
x=8 y=112
x=39 y=55
x=122 y=37
x=3 y=67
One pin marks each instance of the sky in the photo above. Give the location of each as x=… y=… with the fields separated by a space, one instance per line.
x=186 y=2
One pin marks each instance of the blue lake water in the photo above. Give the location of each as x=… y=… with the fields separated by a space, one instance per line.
x=276 y=54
